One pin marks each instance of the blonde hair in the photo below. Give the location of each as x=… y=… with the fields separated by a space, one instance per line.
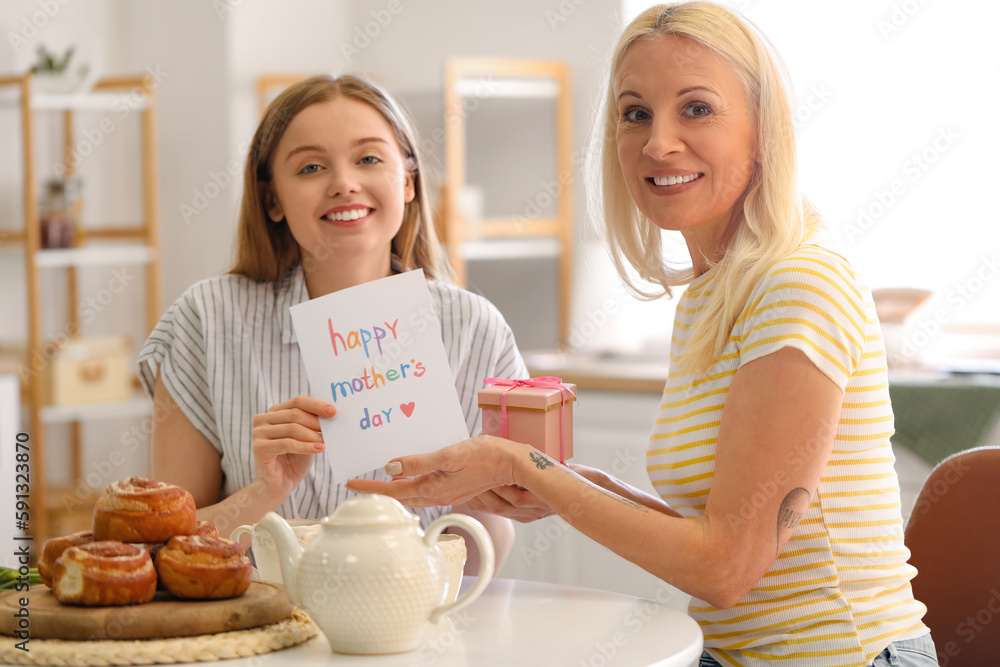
x=266 y=250
x=775 y=218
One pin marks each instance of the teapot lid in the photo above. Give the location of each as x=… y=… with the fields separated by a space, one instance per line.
x=370 y=509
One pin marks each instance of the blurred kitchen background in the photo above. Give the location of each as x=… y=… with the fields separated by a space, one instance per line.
x=897 y=150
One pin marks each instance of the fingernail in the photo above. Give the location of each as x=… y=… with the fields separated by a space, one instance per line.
x=394 y=468
x=330 y=411
x=319 y=446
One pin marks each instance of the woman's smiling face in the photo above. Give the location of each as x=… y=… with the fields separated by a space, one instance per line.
x=340 y=181
x=686 y=139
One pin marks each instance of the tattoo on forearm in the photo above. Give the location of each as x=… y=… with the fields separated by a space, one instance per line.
x=788 y=518
x=792 y=508
x=542 y=462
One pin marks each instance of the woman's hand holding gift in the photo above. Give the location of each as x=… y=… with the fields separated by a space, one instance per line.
x=520 y=504
x=513 y=502
x=450 y=476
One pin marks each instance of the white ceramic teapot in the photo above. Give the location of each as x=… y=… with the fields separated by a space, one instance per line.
x=371 y=580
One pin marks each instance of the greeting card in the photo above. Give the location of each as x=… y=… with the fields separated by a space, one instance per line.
x=371 y=351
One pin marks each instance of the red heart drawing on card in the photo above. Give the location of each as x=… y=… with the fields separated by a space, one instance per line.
x=407 y=408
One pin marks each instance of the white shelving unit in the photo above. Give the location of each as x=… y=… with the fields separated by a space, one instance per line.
x=108 y=246
x=481 y=249
x=137 y=406
x=93 y=101
x=512 y=88
x=96 y=255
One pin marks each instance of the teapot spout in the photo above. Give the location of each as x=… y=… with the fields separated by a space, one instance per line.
x=289 y=552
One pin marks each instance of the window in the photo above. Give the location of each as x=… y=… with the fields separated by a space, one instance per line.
x=895 y=115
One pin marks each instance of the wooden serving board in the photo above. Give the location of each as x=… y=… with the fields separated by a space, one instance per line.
x=164 y=616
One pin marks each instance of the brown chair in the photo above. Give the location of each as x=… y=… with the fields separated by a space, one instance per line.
x=954 y=540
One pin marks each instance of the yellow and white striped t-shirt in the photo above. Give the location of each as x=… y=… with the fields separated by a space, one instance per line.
x=839 y=591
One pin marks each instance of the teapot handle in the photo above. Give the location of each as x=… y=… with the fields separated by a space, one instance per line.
x=487 y=558
x=245 y=529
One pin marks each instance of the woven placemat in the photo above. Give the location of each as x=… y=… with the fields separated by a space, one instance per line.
x=292 y=631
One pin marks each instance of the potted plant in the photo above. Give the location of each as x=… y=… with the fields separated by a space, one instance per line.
x=53 y=73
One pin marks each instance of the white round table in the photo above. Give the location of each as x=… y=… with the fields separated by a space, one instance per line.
x=524 y=623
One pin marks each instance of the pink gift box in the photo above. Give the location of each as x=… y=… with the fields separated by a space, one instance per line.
x=537 y=412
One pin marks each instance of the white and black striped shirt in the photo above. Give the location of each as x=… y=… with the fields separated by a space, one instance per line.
x=226 y=351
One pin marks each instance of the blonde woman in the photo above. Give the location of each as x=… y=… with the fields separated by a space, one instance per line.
x=778 y=505
x=333 y=196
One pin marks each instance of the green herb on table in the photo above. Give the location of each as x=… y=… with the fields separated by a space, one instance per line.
x=9 y=578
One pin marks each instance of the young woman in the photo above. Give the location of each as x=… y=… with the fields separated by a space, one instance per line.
x=333 y=196
x=778 y=507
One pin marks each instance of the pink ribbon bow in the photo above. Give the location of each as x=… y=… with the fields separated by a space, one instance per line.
x=544 y=381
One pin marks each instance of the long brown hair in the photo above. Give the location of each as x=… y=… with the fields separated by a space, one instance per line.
x=266 y=250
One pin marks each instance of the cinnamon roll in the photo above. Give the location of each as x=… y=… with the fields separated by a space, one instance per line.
x=102 y=574
x=55 y=547
x=142 y=510
x=199 y=567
